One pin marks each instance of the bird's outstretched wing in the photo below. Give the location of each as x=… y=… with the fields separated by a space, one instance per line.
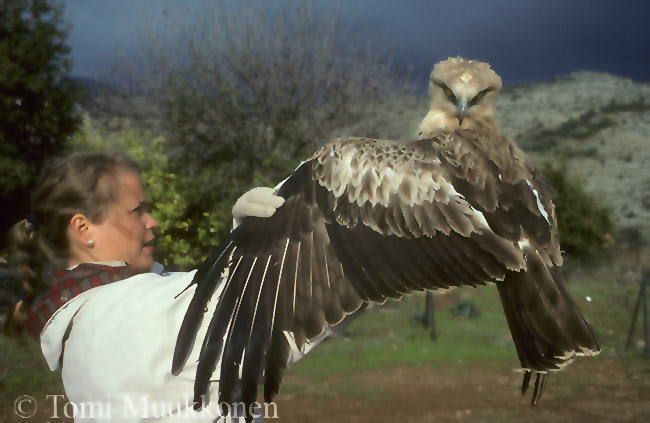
x=364 y=220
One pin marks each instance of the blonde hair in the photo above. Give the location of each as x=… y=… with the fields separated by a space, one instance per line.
x=82 y=183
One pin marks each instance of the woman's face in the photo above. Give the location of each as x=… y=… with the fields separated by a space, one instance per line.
x=126 y=232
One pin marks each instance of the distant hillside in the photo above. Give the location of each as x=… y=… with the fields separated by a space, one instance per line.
x=90 y=87
x=597 y=121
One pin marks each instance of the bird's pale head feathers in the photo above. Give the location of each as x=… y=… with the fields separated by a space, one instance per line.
x=461 y=90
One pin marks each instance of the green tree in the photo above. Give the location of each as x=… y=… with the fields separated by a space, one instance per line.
x=584 y=222
x=37 y=113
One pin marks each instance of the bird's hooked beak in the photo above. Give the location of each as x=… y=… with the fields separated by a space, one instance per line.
x=462 y=108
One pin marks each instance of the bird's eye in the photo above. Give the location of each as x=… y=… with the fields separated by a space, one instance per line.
x=479 y=96
x=449 y=93
x=446 y=90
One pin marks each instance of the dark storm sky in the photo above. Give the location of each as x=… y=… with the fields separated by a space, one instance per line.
x=524 y=41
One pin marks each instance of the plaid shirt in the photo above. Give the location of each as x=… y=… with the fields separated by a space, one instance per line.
x=67 y=284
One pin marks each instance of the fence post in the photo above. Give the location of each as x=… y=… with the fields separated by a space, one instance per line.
x=644 y=289
x=430 y=320
x=641 y=300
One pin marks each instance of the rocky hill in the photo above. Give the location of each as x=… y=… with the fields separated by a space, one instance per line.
x=600 y=124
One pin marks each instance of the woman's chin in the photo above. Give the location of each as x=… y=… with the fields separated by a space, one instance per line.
x=145 y=260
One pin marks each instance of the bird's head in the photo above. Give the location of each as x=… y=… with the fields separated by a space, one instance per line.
x=461 y=91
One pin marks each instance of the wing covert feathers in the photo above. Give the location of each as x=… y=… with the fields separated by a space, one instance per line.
x=366 y=220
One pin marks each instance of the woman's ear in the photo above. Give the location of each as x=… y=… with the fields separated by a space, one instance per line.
x=79 y=230
x=81 y=235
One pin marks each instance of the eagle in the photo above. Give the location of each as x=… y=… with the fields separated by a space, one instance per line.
x=365 y=220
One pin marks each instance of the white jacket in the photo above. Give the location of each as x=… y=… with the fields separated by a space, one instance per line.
x=116 y=359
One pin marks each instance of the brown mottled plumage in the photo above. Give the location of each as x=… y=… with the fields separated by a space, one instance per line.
x=366 y=220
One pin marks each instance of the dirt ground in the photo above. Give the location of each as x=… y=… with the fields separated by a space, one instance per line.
x=591 y=391
x=594 y=391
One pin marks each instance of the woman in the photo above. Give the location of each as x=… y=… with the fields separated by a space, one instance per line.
x=85 y=261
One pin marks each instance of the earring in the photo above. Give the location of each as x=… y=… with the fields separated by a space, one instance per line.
x=91 y=242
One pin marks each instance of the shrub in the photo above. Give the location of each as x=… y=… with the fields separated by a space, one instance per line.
x=584 y=223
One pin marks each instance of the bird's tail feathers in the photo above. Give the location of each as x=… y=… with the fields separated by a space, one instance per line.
x=546 y=325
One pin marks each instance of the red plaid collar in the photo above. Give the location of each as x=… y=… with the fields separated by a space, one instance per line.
x=67 y=284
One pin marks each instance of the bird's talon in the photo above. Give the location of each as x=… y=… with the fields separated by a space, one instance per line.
x=525 y=382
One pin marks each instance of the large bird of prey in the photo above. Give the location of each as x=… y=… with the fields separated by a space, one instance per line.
x=365 y=220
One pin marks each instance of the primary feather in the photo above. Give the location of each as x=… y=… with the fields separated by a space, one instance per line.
x=365 y=220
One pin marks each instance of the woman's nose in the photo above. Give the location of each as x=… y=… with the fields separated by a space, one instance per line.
x=150 y=222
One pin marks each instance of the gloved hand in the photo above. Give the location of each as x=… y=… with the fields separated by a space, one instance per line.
x=258 y=202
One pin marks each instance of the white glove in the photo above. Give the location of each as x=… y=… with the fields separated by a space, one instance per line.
x=258 y=202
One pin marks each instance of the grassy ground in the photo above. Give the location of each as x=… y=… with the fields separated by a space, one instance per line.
x=387 y=336
x=387 y=365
